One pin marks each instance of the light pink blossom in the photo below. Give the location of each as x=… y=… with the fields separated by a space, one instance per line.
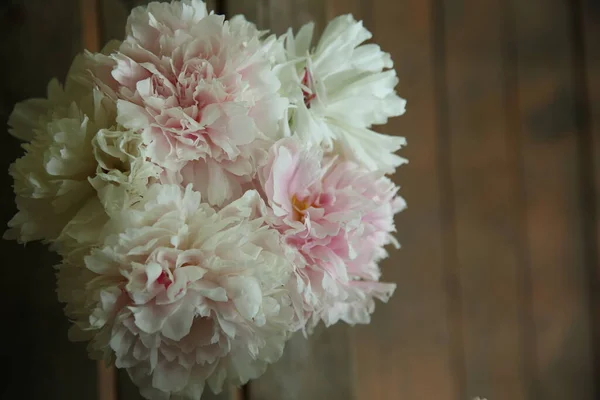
x=77 y=162
x=339 y=216
x=200 y=91
x=183 y=295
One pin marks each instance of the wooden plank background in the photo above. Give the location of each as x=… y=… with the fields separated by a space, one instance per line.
x=498 y=275
x=39 y=41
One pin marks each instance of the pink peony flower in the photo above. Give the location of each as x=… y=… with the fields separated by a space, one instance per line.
x=200 y=91
x=183 y=295
x=339 y=216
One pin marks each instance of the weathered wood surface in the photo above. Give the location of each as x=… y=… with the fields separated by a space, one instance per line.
x=410 y=340
x=587 y=54
x=38 y=42
x=481 y=188
x=552 y=191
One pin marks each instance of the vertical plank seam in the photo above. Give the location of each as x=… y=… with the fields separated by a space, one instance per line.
x=514 y=134
x=583 y=126
x=101 y=27
x=90 y=23
x=447 y=207
x=106 y=382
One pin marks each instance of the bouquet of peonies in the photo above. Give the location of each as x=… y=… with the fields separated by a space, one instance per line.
x=211 y=189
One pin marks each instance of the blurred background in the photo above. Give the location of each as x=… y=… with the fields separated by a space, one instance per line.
x=498 y=275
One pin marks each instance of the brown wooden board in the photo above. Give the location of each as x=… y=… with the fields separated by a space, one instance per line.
x=318 y=368
x=480 y=187
x=587 y=18
x=321 y=367
x=89 y=24
x=551 y=165
x=39 y=40
x=406 y=352
x=279 y=15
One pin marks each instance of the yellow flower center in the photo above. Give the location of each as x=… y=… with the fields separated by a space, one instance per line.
x=300 y=207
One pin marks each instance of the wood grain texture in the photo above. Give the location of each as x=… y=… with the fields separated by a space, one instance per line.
x=89 y=22
x=360 y=9
x=39 y=39
x=279 y=15
x=587 y=29
x=483 y=195
x=113 y=17
x=320 y=367
x=128 y=391
x=106 y=382
x=408 y=345
x=551 y=167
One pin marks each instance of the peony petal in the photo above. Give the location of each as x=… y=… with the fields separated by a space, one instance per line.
x=246 y=295
x=178 y=324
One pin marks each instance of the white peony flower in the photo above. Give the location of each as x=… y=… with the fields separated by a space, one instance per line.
x=183 y=294
x=339 y=89
x=50 y=180
x=201 y=92
x=76 y=159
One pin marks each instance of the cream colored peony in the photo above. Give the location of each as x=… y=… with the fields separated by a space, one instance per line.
x=50 y=180
x=338 y=90
x=76 y=161
x=200 y=91
x=184 y=295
